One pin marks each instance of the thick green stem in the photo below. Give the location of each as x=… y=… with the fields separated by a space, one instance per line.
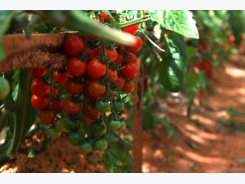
x=135 y=21
x=21 y=102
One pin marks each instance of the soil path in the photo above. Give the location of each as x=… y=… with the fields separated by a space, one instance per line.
x=212 y=141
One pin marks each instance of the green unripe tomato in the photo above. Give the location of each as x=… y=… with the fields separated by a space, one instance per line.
x=86 y=147
x=114 y=124
x=75 y=138
x=4 y=88
x=53 y=133
x=101 y=144
x=122 y=127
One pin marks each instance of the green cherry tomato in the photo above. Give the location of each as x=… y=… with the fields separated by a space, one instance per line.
x=98 y=128
x=101 y=144
x=122 y=127
x=86 y=147
x=71 y=126
x=59 y=125
x=118 y=105
x=75 y=138
x=102 y=106
x=4 y=88
x=114 y=124
x=53 y=133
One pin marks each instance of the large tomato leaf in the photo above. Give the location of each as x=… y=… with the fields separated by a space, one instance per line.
x=173 y=68
x=5 y=20
x=117 y=158
x=179 y=21
x=182 y=22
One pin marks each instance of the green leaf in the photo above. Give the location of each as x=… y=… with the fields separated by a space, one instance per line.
x=5 y=20
x=3 y=119
x=180 y=21
x=30 y=115
x=191 y=52
x=148 y=119
x=158 y=16
x=117 y=158
x=173 y=69
x=170 y=130
x=114 y=20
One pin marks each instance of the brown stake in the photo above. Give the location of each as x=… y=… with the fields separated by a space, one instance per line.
x=138 y=118
x=41 y=50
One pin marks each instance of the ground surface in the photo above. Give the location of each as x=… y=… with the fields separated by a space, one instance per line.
x=212 y=141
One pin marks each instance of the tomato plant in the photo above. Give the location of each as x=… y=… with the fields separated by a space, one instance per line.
x=80 y=87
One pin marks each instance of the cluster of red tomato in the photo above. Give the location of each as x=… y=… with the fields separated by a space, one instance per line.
x=85 y=97
x=204 y=65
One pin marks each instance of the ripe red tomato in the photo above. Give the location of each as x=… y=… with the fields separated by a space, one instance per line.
x=120 y=82
x=231 y=38
x=47 y=117
x=128 y=87
x=39 y=88
x=131 y=29
x=110 y=53
x=129 y=71
x=136 y=47
x=71 y=107
x=60 y=78
x=38 y=73
x=95 y=89
x=76 y=67
x=39 y=102
x=112 y=74
x=73 y=87
x=73 y=45
x=119 y=59
x=131 y=58
x=91 y=52
x=95 y=68
x=104 y=17
x=167 y=31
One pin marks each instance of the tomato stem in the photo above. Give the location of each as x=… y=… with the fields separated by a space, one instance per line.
x=135 y=21
x=21 y=102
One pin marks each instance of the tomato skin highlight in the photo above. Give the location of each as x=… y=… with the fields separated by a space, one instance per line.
x=73 y=45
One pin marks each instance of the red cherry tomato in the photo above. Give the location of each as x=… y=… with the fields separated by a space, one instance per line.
x=76 y=67
x=136 y=47
x=73 y=45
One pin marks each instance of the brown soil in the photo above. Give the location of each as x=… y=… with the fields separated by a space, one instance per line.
x=210 y=143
